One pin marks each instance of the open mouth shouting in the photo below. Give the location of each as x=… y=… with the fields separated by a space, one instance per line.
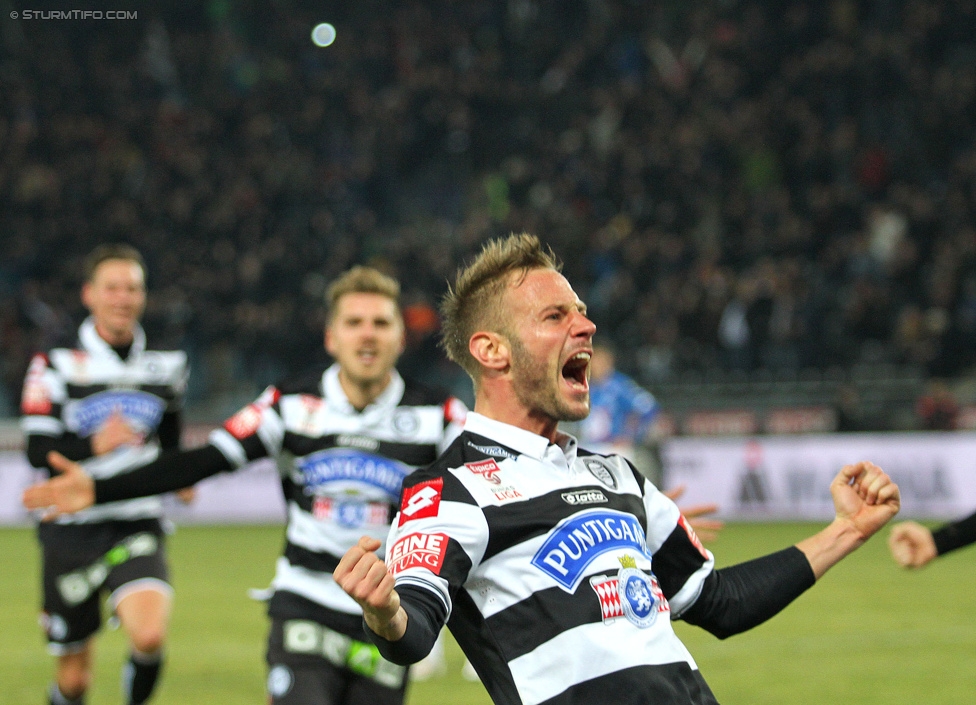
x=574 y=371
x=367 y=357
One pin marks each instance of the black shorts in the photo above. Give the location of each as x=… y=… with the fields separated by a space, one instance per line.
x=310 y=664
x=84 y=561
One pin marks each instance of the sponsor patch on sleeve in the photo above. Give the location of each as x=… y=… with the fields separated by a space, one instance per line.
x=423 y=500
x=418 y=550
x=36 y=399
x=247 y=421
x=455 y=411
x=692 y=536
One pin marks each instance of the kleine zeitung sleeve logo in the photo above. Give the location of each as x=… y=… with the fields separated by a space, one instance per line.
x=418 y=551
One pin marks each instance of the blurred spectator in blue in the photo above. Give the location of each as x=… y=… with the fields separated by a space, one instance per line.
x=622 y=413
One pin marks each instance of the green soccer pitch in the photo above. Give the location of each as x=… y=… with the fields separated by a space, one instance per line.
x=868 y=633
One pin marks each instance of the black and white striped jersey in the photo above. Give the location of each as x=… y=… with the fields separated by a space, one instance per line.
x=70 y=392
x=560 y=569
x=341 y=473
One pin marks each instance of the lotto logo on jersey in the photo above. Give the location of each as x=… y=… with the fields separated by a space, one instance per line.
x=488 y=469
x=246 y=421
x=35 y=398
x=455 y=411
x=418 y=551
x=423 y=500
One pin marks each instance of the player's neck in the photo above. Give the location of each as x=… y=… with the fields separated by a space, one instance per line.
x=508 y=409
x=115 y=338
x=362 y=393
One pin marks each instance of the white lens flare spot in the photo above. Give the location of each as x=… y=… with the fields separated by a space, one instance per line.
x=323 y=34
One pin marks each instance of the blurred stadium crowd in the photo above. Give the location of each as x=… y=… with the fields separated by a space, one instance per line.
x=733 y=185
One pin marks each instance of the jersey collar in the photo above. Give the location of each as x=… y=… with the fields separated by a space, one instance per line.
x=94 y=343
x=335 y=395
x=525 y=442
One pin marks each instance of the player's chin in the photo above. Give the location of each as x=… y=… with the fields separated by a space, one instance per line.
x=576 y=407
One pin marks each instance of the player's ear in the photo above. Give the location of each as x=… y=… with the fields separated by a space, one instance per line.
x=86 y=295
x=491 y=350
x=327 y=339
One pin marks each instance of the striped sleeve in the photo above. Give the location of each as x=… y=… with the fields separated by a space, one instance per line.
x=680 y=562
x=439 y=535
x=42 y=399
x=256 y=431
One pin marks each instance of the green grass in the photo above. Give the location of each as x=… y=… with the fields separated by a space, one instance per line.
x=868 y=633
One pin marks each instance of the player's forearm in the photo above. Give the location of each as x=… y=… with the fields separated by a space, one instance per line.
x=387 y=628
x=742 y=596
x=172 y=470
x=68 y=444
x=827 y=547
x=955 y=535
x=418 y=622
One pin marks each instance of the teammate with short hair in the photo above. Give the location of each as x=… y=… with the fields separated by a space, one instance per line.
x=344 y=437
x=112 y=404
x=914 y=546
x=559 y=570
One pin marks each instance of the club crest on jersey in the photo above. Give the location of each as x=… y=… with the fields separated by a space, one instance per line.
x=418 y=551
x=419 y=501
x=141 y=410
x=601 y=472
x=488 y=469
x=343 y=465
x=405 y=421
x=578 y=540
x=496 y=451
x=632 y=594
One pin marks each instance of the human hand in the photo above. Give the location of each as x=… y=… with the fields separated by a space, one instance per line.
x=69 y=492
x=365 y=578
x=115 y=432
x=911 y=544
x=865 y=497
x=706 y=529
x=186 y=495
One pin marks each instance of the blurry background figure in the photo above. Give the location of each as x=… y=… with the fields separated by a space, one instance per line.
x=622 y=420
x=622 y=413
x=914 y=546
x=937 y=408
x=112 y=403
x=850 y=411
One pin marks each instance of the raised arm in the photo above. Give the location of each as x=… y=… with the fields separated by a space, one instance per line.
x=913 y=545
x=865 y=499
x=74 y=490
x=740 y=597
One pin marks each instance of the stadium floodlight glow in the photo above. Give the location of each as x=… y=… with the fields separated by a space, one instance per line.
x=323 y=34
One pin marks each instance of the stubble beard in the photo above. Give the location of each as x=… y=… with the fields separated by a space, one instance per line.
x=536 y=386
